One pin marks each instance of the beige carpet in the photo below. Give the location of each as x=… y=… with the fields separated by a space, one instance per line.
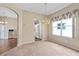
x=41 y=48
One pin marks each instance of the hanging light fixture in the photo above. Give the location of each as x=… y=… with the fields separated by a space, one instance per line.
x=46 y=19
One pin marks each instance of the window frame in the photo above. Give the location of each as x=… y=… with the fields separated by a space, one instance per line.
x=73 y=29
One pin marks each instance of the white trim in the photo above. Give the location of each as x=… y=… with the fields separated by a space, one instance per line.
x=25 y=43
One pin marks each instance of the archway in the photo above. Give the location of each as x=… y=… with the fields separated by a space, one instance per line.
x=8 y=29
x=38 y=30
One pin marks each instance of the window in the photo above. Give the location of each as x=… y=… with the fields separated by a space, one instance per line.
x=63 y=27
x=67 y=27
x=3 y=30
x=57 y=28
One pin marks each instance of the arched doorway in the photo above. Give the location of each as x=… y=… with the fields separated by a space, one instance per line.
x=8 y=29
x=38 y=30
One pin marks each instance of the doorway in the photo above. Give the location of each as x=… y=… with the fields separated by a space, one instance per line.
x=8 y=29
x=38 y=30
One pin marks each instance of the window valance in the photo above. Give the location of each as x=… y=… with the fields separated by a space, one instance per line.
x=74 y=13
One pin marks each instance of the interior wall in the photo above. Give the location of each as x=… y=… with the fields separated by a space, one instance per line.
x=12 y=23
x=25 y=23
x=28 y=25
x=69 y=42
x=45 y=31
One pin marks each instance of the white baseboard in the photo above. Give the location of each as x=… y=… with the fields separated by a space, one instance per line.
x=25 y=43
x=66 y=45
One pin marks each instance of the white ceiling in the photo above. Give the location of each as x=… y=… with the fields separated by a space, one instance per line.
x=40 y=7
x=7 y=12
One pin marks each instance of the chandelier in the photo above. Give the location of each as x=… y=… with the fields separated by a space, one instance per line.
x=46 y=18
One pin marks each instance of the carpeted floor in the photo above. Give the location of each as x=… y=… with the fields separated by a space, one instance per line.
x=41 y=48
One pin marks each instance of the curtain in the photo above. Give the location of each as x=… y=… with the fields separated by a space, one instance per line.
x=72 y=14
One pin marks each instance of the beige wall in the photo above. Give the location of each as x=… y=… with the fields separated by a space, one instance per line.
x=25 y=24
x=28 y=26
x=12 y=23
x=72 y=43
x=45 y=31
